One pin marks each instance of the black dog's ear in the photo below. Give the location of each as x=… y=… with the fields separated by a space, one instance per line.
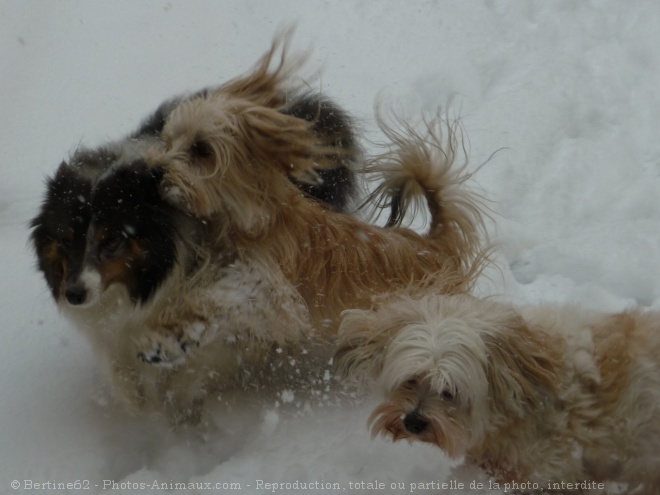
x=63 y=172
x=157 y=173
x=68 y=187
x=149 y=179
x=62 y=168
x=131 y=187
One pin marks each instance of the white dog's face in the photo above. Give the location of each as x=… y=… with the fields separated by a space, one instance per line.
x=416 y=411
x=434 y=376
x=452 y=369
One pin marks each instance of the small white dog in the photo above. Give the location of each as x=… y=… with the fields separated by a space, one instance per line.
x=539 y=394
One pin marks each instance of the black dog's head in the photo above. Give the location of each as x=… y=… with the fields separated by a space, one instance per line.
x=59 y=230
x=94 y=232
x=123 y=189
x=132 y=235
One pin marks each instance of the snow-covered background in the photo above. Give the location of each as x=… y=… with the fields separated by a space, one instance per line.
x=567 y=89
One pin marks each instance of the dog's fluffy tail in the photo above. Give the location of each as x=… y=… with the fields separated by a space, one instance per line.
x=428 y=170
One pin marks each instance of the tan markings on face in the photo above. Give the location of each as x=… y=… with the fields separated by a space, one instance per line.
x=137 y=250
x=59 y=264
x=99 y=235
x=51 y=252
x=119 y=269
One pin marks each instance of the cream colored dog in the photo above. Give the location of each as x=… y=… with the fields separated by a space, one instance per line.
x=537 y=394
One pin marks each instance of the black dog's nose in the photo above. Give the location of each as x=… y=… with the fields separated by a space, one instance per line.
x=415 y=423
x=76 y=294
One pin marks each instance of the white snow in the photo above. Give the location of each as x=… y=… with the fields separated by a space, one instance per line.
x=566 y=90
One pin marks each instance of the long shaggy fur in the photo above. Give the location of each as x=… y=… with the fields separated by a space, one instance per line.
x=149 y=283
x=406 y=182
x=536 y=394
x=229 y=156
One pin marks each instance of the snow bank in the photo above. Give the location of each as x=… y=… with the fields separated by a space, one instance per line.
x=567 y=91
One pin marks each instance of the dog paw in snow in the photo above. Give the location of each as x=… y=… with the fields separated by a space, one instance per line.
x=169 y=350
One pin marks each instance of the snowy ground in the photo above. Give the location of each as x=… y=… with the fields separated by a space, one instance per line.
x=567 y=89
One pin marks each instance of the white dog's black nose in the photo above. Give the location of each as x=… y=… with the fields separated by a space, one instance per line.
x=75 y=294
x=415 y=423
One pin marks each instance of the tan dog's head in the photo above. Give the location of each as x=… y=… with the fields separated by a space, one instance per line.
x=453 y=369
x=232 y=150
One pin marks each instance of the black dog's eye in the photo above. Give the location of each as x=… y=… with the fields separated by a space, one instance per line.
x=66 y=243
x=112 y=245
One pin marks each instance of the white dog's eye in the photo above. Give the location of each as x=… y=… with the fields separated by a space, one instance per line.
x=447 y=395
x=410 y=384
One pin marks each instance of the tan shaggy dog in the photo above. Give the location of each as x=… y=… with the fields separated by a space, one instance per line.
x=536 y=395
x=228 y=159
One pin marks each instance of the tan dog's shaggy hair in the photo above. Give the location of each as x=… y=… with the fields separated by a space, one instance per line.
x=229 y=156
x=540 y=394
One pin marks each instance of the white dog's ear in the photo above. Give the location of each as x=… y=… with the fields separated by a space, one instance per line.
x=523 y=365
x=361 y=347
